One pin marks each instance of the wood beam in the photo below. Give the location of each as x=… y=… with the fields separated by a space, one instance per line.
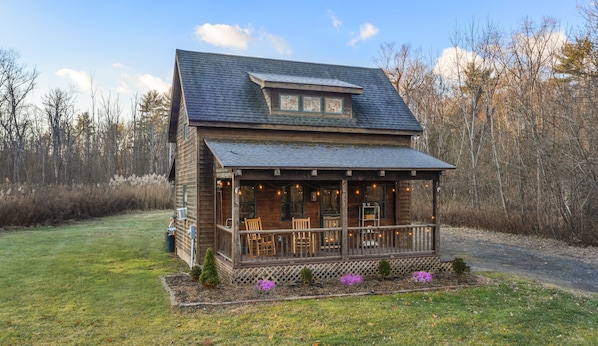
x=344 y=222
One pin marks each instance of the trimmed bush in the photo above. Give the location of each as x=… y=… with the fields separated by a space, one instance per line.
x=459 y=266
x=384 y=268
x=306 y=276
x=209 y=275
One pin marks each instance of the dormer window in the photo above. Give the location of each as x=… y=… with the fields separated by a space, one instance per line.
x=297 y=95
x=334 y=105
x=289 y=102
x=312 y=104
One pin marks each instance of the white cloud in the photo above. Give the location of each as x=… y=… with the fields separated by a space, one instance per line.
x=454 y=61
x=366 y=31
x=82 y=79
x=335 y=21
x=541 y=47
x=147 y=82
x=117 y=65
x=237 y=38
x=140 y=83
x=277 y=42
x=224 y=35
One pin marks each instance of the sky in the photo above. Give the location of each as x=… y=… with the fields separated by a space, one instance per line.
x=126 y=48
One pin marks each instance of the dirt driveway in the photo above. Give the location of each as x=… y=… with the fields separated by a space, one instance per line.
x=547 y=261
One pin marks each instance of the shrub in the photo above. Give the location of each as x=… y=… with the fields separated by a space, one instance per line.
x=384 y=268
x=195 y=273
x=306 y=276
x=209 y=275
x=459 y=266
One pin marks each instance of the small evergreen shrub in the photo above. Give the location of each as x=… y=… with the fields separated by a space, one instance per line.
x=209 y=275
x=195 y=273
x=384 y=268
x=459 y=266
x=306 y=276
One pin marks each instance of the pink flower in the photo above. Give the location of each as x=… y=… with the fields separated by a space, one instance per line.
x=350 y=279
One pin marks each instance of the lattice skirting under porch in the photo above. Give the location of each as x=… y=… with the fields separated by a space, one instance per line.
x=328 y=270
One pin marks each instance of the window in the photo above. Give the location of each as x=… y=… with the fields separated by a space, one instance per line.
x=184 y=196
x=376 y=195
x=312 y=104
x=289 y=102
x=246 y=202
x=291 y=202
x=330 y=200
x=334 y=105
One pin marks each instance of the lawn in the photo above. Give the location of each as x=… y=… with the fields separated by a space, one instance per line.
x=98 y=282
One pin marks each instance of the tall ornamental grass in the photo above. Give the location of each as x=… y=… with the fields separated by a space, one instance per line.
x=29 y=205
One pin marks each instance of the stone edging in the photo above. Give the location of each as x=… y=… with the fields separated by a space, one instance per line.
x=174 y=303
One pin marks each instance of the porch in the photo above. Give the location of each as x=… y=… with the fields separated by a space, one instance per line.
x=357 y=216
x=368 y=242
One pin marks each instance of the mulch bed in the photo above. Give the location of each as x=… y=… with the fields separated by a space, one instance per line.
x=186 y=293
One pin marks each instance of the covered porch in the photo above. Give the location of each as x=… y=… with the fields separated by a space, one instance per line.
x=358 y=206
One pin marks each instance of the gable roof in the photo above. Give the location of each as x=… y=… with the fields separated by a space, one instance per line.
x=218 y=89
x=300 y=155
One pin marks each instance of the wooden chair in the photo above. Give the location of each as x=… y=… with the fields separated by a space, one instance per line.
x=303 y=241
x=260 y=244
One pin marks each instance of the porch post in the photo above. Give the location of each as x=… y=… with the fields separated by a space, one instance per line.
x=436 y=219
x=344 y=215
x=236 y=243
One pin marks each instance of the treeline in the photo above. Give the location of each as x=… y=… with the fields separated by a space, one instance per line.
x=53 y=144
x=517 y=113
x=57 y=164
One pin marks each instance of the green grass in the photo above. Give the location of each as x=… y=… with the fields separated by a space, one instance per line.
x=97 y=282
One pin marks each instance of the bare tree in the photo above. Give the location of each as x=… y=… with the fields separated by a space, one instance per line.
x=59 y=110
x=15 y=86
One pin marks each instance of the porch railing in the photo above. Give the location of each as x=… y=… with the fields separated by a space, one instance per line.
x=326 y=243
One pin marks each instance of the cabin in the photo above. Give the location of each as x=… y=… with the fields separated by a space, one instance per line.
x=281 y=165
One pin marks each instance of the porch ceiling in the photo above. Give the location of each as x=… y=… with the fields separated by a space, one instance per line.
x=326 y=156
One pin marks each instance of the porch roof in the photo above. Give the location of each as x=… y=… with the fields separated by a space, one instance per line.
x=325 y=156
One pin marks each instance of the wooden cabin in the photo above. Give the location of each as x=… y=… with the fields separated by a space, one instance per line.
x=280 y=165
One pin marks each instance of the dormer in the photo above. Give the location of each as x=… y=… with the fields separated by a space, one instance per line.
x=309 y=96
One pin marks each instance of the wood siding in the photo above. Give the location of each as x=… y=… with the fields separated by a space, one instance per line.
x=206 y=200
x=186 y=176
x=195 y=170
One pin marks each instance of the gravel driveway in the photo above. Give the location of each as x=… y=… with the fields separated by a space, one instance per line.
x=546 y=261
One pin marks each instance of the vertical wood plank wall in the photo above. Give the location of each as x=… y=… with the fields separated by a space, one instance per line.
x=205 y=202
x=186 y=175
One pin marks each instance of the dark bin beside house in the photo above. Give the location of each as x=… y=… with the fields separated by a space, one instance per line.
x=169 y=241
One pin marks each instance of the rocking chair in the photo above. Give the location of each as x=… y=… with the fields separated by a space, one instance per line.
x=260 y=244
x=303 y=241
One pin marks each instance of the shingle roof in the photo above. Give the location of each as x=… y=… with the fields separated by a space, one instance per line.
x=301 y=155
x=272 y=77
x=217 y=88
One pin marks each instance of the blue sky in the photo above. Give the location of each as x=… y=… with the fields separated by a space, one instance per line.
x=128 y=46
